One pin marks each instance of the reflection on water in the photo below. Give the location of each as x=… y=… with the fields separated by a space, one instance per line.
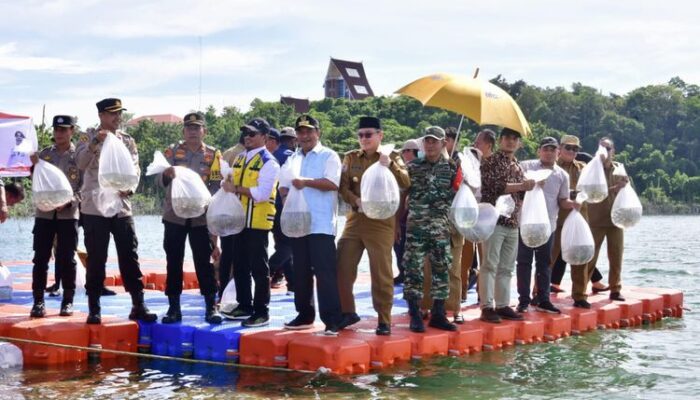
x=659 y=361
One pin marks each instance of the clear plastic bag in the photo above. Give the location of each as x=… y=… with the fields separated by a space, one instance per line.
x=505 y=205
x=50 y=187
x=464 y=210
x=379 y=190
x=471 y=168
x=117 y=170
x=485 y=224
x=225 y=215
x=577 y=246
x=592 y=180
x=188 y=193
x=535 y=227
x=228 y=298
x=107 y=201
x=295 y=219
x=626 y=209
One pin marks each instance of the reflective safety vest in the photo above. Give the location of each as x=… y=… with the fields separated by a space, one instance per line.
x=258 y=215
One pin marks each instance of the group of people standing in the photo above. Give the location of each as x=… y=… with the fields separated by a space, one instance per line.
x=435 y=262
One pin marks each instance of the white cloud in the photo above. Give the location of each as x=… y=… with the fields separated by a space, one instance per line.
x=14 y=60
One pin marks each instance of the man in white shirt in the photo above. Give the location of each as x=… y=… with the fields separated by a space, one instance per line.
x=254 y=180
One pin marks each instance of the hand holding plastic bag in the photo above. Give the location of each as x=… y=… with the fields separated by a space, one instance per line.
x=592 y=180
x=577 y=246
x=464 y=210
x=535 y=227
x=379 y=191
x=188 y=193
x=225 y=215
x=117 y=170
x=50 y=187
x=295 y=219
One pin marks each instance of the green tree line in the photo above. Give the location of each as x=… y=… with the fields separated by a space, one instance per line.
x=656 y=130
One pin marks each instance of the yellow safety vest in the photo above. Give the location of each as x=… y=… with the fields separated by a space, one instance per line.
x=258 y=215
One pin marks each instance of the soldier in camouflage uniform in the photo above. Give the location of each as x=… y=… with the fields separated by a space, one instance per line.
x=196 y=155
x=60 y=223
x=434 y=182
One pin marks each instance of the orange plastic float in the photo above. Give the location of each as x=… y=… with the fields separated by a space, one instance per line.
x=269 y=348
x=673 y=300
x=339 y=354
x=530 y=330
x=55 y=330
x=652 y=304
x=385 y=351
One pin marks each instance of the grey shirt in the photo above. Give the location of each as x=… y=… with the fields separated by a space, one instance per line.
x=88 y=155
x=205 y=162
x=68 y=163
x=556 y=187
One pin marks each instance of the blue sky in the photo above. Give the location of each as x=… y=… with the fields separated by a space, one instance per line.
x=70 y=54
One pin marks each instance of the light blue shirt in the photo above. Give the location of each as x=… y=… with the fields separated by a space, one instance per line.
x=321 y=162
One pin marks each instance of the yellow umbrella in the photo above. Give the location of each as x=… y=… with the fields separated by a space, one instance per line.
x=481 y=101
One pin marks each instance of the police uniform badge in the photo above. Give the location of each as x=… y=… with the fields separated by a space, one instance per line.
x=180 y=154
x=84 y=138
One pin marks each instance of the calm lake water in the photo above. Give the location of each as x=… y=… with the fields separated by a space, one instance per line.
x=658 y=361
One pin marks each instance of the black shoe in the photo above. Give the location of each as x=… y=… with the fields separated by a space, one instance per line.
x=211 y=314
x=416 y=324
x=55 y=293
x=598 y=290
x=256 y=321
x=66 y=309
x=489 y=315
x=582 y=304
x=237 y=313
x=331 y=330
x=174 y=314
x=383 y=329
x=547 y=307
x=52 y=288
x=139 y=311
x=38 y=310
x=522 y=308
x=438 y=319
x=556 y=289
x=107 y=292
x=348 y=319
x=298 y=324
x=616 y=296
x=509 y=314
x=94 y=317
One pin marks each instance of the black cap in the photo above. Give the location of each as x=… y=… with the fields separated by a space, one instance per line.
x=65 y=121
x=110 y=105
x=549 y=141
x=274 y=134
x=510 y=132
x=257 y=125
x=194 y=118
x=370 y=122
x=306 y=121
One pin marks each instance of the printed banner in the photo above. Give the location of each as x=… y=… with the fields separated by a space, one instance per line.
x=17 y=142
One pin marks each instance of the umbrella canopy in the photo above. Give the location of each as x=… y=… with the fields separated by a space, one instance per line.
x=481 y=101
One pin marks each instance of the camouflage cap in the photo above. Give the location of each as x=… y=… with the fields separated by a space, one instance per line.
x=570 y=140
x=435 y=132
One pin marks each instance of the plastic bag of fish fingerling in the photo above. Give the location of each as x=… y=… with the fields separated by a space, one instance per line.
x=626 y=209
x=107 y=201
x=471 y=168
x=577 y=246
x=379 y=190
x=295 y=219
x=535 y=227
x=464 y=210
x=116 y=169
x=592 y=180
x=188 y=193
x=228 y=298
x=485 y=224
x=225 y=214
x=50 y=187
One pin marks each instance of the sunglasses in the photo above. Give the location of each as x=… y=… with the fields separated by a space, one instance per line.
x=570 y=147
x=365 y=135
x=251 y=133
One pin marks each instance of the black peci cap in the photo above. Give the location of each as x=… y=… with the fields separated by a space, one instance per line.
x=110 y=105
x=65 y=121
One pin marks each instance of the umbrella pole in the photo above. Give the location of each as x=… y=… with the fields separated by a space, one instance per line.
x=459 y=130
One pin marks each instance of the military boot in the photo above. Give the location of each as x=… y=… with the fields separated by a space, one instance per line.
x=174 y=314
x=416 y=324
x=211 y=314
x=67 y=303
x=438 y=319
x=139 y=311
x=94 y=317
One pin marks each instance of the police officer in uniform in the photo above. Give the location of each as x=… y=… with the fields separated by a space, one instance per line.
x=98 y=228
x=434 y=182
x=61 y=223
x=254 y=180
x=361 y=232
x=203 y=159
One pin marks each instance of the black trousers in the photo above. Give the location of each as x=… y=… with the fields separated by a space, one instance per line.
x=315 y=255
x=225 y=262
x=282 y=259
x=559 y=268
x=250 y=260
x=174 y=246
x=543 y=276
x=97 y=230
x=66 y=233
